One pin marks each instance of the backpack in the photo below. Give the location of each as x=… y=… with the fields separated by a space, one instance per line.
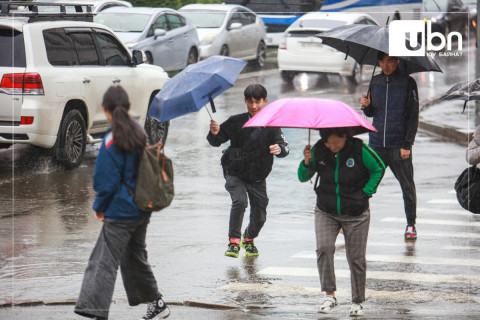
x=154 y=189
x=467 y=187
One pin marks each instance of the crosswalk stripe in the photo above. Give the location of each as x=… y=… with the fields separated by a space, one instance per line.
x=400 y=259
x=379 y=275
x=443 y=201
x=426 y=233
x=437 y=222
x=429 y=211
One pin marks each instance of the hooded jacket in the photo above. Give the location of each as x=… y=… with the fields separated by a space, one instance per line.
x=347 y=179
x=248 y=156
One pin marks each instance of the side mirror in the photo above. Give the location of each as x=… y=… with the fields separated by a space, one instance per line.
x=139 y=57
x=159 y=33
x=235 y=26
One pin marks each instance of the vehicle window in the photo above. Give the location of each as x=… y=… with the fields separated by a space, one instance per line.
x=111 y=5
x=113 y=53
x=123 y=22
x=435 y=5
x=13 y=48
x=317 y=24
x=60 y=49
x=160 y=23
x=85 y=48
x=202 y=19
x=247 y=17
x=370 y=22
x=175 y=21
x=236 y=18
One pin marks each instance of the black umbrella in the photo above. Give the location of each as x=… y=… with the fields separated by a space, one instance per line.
x=363 y=42
x=467 y=91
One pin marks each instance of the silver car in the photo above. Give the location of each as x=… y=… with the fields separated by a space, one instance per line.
x=229 y=30
x=168 y=39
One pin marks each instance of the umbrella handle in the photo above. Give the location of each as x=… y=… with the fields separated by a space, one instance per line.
x=309 y=136
x=209 y=113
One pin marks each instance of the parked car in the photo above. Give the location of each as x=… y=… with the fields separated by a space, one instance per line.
x=96 y=5
x=447 y=16
x=53 y=74
x=229 y=30
x=168 y=38
x=301 y=51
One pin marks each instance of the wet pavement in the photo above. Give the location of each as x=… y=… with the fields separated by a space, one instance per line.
x=47 y=229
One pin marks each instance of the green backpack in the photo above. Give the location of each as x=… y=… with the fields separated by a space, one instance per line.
x=154 y=189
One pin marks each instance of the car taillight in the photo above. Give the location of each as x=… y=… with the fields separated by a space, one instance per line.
x=26 y=120
x=22 y=83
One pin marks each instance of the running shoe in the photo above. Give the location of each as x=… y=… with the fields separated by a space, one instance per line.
x=156 y=310
x=233 y=250
x=356 y=310
x=328 y=304
x=250 y=249
x=410 y=233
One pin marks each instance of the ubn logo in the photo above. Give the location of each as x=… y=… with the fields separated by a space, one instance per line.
x=405 y=35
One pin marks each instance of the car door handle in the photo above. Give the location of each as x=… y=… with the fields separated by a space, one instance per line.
x=116 y=80
x=85 y=80
x=170 y=40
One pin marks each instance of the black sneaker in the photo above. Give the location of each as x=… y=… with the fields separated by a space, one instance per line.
x=233 y=250
x=250 y=249
x=156 y=310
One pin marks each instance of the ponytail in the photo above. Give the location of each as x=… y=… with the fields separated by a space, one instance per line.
x=128 y=136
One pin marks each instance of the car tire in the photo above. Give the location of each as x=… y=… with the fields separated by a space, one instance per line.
x=192 y=56
x=287 y=76
x=224 y=51
x=261 y=55
x=356 y=76
x=71 y=140
x=149 y=58
x=156 y=131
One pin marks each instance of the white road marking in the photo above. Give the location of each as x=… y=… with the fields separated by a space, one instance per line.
x=443 y=201
x=437 y=222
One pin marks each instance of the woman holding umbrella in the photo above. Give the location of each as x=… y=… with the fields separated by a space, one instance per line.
x=349 y=173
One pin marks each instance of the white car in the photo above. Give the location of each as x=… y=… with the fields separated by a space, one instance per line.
x=229 y=30
x=53 y=74
x=301 y=51
x=167 y=38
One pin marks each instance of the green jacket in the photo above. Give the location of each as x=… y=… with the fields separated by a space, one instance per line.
x=347 y=179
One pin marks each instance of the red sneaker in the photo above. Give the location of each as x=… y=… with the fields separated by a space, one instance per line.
x=410 y=233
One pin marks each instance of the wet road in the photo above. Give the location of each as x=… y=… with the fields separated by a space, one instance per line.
x=47 y=229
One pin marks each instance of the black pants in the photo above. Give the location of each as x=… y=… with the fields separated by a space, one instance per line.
x=402 y=170
x=240 y=192
x=121 y=242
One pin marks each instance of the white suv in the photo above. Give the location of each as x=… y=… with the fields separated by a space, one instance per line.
x=53 y=74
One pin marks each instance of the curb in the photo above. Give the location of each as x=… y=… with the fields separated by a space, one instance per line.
x=447 y=133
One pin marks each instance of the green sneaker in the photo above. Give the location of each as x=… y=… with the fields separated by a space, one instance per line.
x=250 y=249
x=233 y=250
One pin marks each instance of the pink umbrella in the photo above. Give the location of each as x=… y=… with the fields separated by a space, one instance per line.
x=311 y=113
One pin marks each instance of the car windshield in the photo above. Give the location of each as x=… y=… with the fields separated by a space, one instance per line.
x=435 y=5
x=202 y=19
x=317 y=24
x=123 y=22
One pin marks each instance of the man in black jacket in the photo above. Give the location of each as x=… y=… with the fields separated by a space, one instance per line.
x=393 y=103
x=246 y=164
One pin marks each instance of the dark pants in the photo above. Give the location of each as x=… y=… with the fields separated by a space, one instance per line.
x=241 y=192
x=121 y=242
x=402 y=170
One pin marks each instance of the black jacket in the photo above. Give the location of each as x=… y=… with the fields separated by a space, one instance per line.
x=248 y=156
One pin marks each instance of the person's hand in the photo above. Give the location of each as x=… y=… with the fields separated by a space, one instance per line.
x=404 y=153
x=275 y=149
x=98 y=216
x=307 y=155
x=214 y=127
x=364 y=100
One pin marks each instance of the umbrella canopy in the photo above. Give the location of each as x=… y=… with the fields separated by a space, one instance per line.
x=311 y=113
x=363 y=42
x=194 y=87
x=467 y=91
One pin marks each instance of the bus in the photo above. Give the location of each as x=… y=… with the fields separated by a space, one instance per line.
x=278 y=15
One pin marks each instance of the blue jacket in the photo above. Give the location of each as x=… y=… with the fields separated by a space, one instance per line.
x=112 y=196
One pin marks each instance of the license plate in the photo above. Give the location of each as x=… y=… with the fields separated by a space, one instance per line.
x=311 y=44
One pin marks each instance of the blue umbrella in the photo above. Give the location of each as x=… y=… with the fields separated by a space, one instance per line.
x=194 y=87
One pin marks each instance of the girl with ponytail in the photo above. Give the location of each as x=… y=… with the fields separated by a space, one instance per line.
x=122 y=238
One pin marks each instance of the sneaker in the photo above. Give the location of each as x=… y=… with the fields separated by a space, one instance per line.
x=250 y=249
x=328 y=304
x=233 y=250
x=156 y=310
x=410 y=233
x=356 y=310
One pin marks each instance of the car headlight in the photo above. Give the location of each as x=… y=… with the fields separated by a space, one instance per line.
x=208 y=39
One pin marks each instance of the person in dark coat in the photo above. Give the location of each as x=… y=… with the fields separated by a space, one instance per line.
x=393 y=104
x=122 y=238
x=348 y=172
x=246 y=164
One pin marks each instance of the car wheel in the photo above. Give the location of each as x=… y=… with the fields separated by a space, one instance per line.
x=261 y=55
x=156 y=131
x=192 y=56
x=224 y=50
x=287 y=76
x=356 y=76
x=71 y=140
x=149 y=58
